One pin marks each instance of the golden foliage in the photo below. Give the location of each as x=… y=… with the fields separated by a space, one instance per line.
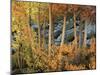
x=34 y=59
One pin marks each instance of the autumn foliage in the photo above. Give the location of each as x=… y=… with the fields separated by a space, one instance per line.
x=33 y=37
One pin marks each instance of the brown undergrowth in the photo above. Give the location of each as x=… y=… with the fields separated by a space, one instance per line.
x=63 y=58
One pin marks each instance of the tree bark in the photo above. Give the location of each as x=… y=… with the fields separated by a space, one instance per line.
x=62 y=42
x=63 y=30
x=75 y=31
x=50 y=25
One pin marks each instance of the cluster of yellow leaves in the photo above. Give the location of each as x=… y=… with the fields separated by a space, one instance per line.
x=75 y=67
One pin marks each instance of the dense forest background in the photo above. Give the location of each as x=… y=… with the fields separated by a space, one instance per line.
x=48 y=37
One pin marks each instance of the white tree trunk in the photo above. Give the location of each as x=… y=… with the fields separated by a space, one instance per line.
x=63 y=31
x=50 y=25
x=75 y=31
